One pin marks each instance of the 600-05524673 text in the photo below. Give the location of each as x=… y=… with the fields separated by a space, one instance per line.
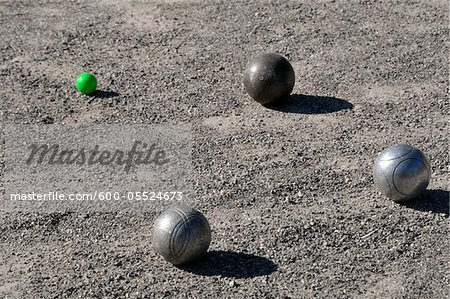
x=100 y=196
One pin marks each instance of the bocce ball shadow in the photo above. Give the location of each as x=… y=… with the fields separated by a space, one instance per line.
x=434 y=201
x=307 y=104
x=103 y=94
x=231 y=264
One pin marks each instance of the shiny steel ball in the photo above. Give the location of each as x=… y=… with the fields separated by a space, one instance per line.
x=269 y=78
x=181 y=234
x=401 y=172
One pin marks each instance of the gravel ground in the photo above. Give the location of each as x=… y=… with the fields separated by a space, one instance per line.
x=288 y=191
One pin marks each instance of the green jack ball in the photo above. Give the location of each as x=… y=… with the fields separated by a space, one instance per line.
x=86 y=83
x=269 y=78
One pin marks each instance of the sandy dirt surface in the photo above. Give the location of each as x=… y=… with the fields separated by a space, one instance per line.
x=288 y=191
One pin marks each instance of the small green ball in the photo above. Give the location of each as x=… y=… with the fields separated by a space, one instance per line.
x=86 y=83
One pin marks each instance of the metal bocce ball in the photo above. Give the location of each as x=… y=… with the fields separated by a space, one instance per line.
x=181 y=234
x=401 y=172
x=269 y=78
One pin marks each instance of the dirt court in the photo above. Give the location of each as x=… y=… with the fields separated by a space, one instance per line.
x=288 y=191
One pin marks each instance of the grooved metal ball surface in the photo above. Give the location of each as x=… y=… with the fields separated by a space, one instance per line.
x=181 y=234
x=401 y=172
x=269 y=78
